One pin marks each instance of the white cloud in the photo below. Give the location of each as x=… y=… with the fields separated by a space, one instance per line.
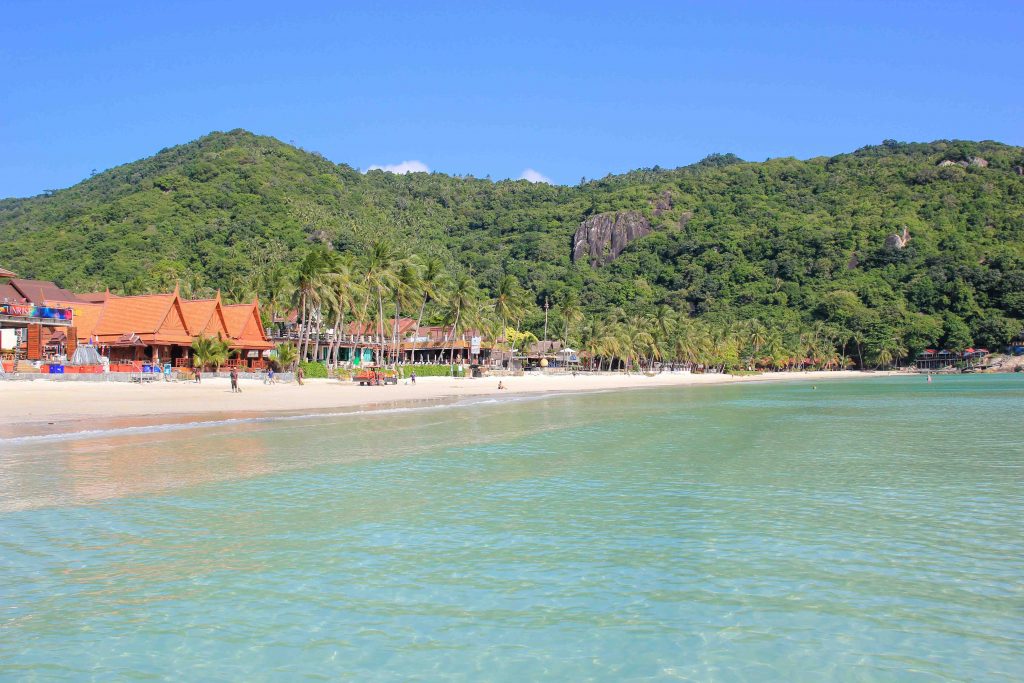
x=411 y=166
x=535 y=176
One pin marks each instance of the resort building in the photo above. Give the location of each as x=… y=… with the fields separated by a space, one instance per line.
x=152 y=328
x=160 y=328
x=361 y=343
x=27 y=318
x=931 y=359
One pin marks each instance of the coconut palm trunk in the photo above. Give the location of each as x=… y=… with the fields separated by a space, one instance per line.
x=316 y=332
x=419 y=320
x=302 y=329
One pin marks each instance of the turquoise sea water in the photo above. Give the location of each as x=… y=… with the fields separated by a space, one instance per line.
x=856 y=531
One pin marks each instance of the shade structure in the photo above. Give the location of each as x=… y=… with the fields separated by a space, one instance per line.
x=86 y=354
x=6 y=273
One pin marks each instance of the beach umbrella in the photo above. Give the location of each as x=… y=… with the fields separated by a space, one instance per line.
x=6 y=273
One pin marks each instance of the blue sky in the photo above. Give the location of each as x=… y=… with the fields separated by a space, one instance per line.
x=565 y=89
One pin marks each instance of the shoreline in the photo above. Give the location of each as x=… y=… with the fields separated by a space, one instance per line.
x=42 y=408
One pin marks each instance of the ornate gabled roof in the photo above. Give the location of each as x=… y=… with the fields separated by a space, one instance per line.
x=245 y=326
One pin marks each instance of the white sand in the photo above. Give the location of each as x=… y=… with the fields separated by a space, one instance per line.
x=58 y=401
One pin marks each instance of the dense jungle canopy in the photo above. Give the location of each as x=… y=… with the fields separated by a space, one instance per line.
x=905 y=245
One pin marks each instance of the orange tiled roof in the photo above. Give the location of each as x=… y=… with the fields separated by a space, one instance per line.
x=166 y=319
x=245 y=326
x=156 y=318
x=205 y=317
x=84 y=316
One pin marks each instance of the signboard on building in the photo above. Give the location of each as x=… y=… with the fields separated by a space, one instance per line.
x=37 y=312
x=474 y=346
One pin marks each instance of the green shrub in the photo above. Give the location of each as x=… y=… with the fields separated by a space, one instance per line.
x=432 y=370
x=312 y=370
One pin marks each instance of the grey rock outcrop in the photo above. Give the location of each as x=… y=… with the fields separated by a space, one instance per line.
x=895 y=241
x=601 y=238
x=320 y=237
x=663 y=203
x=970 y=161
x=1019 y=170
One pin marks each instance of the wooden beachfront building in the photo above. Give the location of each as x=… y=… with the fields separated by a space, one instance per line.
x=360 y=343
x=160 y=328
x=934 y=360
x=29 y=320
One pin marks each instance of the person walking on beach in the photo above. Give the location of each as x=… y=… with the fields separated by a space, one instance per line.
x=299 y=374
x=199 y=376
x=412 y=377
x=234 y=381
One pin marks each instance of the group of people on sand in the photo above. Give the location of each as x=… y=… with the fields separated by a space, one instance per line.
x=269 y=378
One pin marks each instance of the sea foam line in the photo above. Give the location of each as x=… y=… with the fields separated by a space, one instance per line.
x=256 y=419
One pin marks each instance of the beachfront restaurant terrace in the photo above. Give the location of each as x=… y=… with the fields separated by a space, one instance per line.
x=360 y=343
x=932 y=359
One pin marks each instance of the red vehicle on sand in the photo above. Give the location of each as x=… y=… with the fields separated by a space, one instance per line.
x=372 y=377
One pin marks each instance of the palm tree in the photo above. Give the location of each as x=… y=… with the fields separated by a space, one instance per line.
x=460 y=298
x=507 y=302
x=286 y=355
x=431 y=281
x=378 y=271
x=590 y=338
x=209 y=351
x=340 y=297
x=890 y=350
x=637 y=342
x=571 y=314
x=406 y=292
x=483 y=320
x=684 y=341
x=757 y=337
x=239 y=290
x=308 y=281
x=275 y=291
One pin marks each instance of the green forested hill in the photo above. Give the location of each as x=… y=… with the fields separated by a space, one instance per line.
x=788 y=242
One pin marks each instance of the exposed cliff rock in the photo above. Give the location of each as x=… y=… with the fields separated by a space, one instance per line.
x=663 y=203
x=895 y=241
x=1019 y=170
x=601 y=238
x=320 y=237
x=969 y=161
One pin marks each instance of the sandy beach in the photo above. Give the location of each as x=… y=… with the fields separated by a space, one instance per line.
x=43 y=402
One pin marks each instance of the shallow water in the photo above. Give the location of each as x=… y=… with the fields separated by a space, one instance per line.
x=859 y=530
